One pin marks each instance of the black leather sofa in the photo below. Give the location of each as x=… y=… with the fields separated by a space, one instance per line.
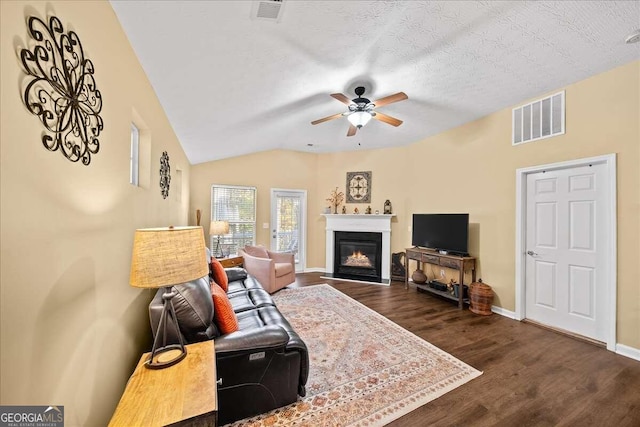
x=262 y=366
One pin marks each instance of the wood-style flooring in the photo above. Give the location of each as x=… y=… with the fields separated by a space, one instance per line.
x=532 y=376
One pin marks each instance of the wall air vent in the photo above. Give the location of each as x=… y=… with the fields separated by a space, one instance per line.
x=540 y=119
x=268 y=10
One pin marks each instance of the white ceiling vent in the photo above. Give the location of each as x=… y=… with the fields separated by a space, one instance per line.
x=540 y=119
x=268 y=10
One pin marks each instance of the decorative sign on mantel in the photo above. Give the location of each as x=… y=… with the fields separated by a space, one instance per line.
x=62 y=90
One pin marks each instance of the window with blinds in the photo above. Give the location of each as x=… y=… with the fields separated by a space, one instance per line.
x=237 y=205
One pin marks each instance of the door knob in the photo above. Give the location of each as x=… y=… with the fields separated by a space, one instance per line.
x=532 y=253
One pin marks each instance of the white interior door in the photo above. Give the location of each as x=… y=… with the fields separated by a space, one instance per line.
x=567 y=244
x=288 y=214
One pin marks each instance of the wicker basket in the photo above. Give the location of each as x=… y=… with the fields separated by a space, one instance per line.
x=481 y=297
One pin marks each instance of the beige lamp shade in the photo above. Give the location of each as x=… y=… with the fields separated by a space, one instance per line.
x=216 y=228
x=167 y=256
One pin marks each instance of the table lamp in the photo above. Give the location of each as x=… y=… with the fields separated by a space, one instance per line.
x=217 y=228
x=163 y=257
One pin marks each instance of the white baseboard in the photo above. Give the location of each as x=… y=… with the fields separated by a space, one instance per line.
x=630 y=352
x=314 y=270
x=503 y=312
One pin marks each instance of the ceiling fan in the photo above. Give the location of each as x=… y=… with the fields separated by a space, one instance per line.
x=361 y=110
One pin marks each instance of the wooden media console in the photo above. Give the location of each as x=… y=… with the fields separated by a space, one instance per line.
x=429 y=256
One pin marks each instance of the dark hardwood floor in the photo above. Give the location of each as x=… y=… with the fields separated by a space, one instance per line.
x=532 y=376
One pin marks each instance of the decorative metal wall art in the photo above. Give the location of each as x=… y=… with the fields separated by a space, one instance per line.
x=62 y=91
x=359 y=187
x=165 y=175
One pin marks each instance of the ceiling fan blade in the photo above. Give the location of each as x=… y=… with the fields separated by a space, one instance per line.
x=342 y=98
x=400 y=96
x=326 y=119
x=387 y=119
x=352 y=130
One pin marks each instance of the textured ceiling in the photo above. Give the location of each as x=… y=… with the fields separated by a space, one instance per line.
x=233 y=85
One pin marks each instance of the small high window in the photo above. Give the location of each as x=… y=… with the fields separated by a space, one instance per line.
x=134 y=174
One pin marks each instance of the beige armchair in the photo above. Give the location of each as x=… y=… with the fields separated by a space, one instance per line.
x=274 y=270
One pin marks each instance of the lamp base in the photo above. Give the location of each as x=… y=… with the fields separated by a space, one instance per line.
x=166 y=356
x=218 y=252
x=163 y=356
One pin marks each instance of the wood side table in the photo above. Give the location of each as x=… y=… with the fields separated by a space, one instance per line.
x=231 y=261
x=184 y=394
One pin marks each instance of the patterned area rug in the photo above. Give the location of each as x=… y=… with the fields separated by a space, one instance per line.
x=364 y=369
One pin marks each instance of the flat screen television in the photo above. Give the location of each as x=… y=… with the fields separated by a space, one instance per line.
x=443 y=232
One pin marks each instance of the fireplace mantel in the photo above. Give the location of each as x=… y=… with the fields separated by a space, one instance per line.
x=376 y=223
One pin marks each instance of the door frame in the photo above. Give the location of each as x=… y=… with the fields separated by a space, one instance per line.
x=303 y=222
x=609 y=160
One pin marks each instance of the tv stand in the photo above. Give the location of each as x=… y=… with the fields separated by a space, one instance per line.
x=428 y=256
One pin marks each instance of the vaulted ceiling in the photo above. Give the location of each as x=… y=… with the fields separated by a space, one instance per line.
x=232 y=84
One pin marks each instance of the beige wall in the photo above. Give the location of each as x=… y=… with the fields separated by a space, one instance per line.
x=472 y=169
x=272 y=169
x=72 y=328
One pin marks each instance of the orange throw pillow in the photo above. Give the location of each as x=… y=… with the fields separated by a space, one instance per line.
x=219 y=275
x=223 y=314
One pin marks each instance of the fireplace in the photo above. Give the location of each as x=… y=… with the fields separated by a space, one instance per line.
x=378 y=224
x=358 y=255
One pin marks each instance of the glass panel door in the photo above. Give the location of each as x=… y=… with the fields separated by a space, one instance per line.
x=288 y=213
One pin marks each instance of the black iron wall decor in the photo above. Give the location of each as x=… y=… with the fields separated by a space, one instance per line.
x=165 y=175
x=62 y=90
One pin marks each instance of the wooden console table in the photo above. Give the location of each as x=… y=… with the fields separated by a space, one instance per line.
x=184 y=394
x=428 y=256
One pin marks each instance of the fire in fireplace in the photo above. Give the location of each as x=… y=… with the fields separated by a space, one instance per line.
x=357 y=255
x=358 y=259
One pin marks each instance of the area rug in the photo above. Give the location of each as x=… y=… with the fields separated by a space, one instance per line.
x=365 y=370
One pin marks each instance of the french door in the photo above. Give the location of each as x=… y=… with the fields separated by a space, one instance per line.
x=288 y=223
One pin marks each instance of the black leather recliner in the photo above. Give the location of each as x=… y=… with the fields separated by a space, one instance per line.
x=262 y=366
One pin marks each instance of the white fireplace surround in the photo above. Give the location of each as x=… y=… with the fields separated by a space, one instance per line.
x=379 y=223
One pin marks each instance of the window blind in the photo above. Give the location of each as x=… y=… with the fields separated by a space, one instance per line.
x=237 y=205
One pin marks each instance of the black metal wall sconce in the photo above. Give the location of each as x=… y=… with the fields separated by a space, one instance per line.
x=165 y=175
x=62 y=90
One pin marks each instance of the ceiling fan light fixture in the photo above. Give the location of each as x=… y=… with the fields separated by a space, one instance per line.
x=359 y=118
x=361 y=110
